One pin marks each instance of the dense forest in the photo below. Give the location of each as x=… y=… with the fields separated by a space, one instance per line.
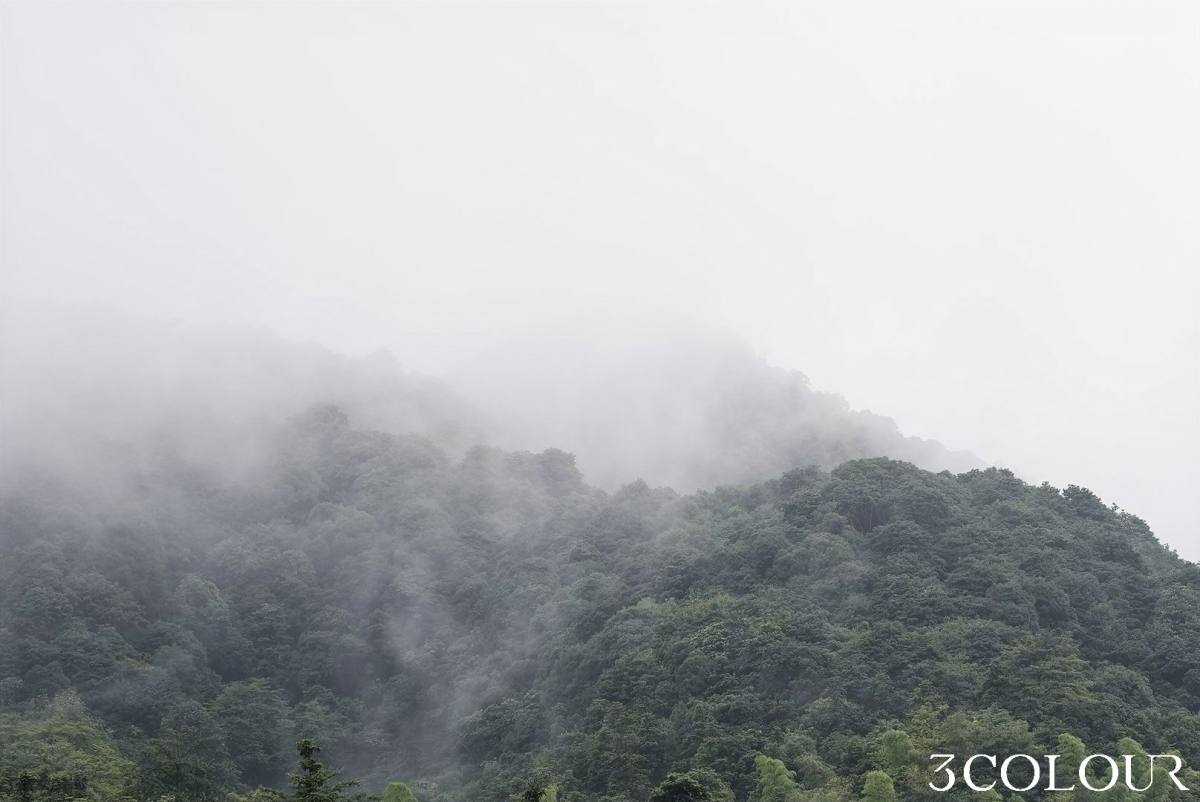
x=485 y=625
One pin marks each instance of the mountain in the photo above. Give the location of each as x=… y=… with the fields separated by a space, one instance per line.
x=489 y=624
x=94 y=397
x=684 y=406
x=100 y=399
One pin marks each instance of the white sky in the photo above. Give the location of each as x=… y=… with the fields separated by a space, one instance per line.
x=978 y=218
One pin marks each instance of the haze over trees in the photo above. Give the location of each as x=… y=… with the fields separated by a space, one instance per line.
x=210 y=583
x=89 y=393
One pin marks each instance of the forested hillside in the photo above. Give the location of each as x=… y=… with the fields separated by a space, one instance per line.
x=89 y=396
x=489 y=625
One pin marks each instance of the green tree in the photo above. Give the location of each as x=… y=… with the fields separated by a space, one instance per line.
x=538 y=792
x=680 y=788
x=697 y=785
x=259 y=795
x=188 y=759
x=776 y=782
x=316 y=783
x=61 y=743
x=255 y=720
x=897 y=752
x=398 y=792
x=879 y=787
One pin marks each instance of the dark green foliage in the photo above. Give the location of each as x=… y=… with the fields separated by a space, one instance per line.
x=255 y=719
x=685 y=787
x=313 y=782
x=188 y=759
x=490 y=625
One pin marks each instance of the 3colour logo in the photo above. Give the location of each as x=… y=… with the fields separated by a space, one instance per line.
x=1095 y=772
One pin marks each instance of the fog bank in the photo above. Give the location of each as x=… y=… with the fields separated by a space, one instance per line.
x=978 y=220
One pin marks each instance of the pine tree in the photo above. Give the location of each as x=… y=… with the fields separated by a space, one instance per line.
x=316 y=783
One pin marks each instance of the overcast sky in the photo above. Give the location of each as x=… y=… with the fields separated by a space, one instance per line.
x=978 y=218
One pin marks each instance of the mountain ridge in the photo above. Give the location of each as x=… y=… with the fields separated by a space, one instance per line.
x=487 y=623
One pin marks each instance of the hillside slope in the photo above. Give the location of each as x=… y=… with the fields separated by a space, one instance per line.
x=481 y=625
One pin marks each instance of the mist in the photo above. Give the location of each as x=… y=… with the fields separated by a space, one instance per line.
x=976 y=223
x=100 y=399
x=574 y=402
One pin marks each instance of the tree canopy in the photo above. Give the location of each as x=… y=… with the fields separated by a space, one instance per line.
x=472 y=626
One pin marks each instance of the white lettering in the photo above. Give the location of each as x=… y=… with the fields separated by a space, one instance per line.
x=1178 y=761
x=949 y=773
x=1112 y=766
x=1052 y=770
x=1037 y=772
x=1129 y=774
x=967 y=773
